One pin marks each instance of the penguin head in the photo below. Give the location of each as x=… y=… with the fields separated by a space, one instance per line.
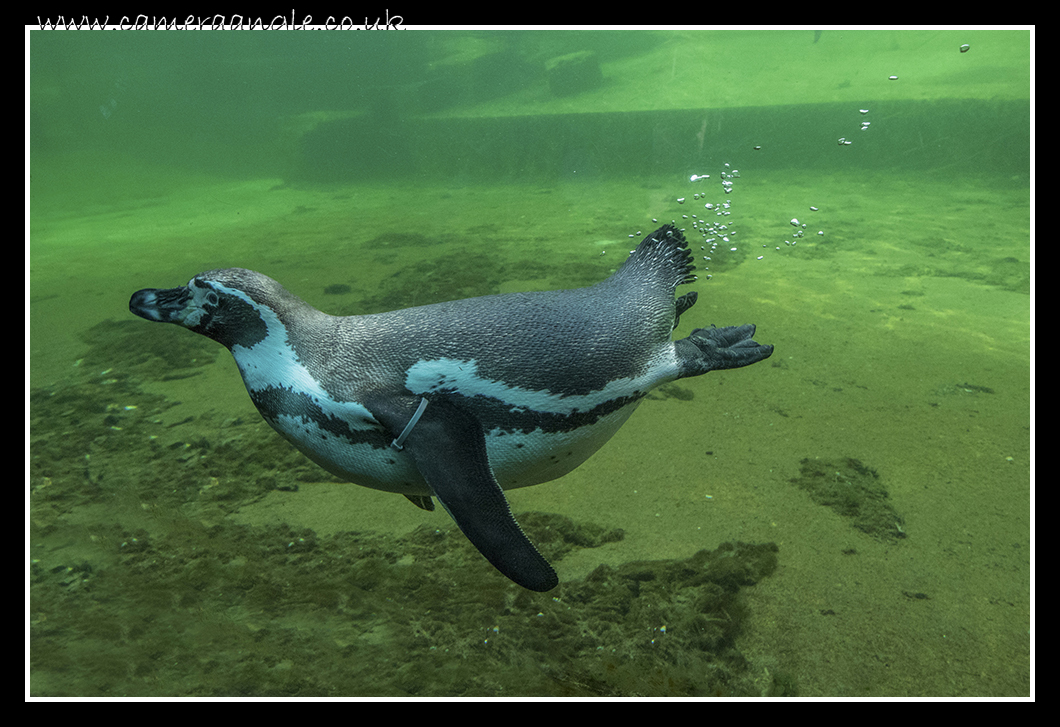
x=227 y=305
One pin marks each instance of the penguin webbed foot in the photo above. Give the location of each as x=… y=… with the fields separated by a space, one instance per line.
x=682 y=304
x=713 y=349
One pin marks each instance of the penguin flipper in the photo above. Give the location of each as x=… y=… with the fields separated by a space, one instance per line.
x=449 y=448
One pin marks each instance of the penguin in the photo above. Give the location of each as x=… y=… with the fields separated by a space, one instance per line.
x=464 y=399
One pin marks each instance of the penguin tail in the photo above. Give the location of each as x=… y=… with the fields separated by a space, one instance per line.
x=662 y=260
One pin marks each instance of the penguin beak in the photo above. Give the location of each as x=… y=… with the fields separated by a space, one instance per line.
x=166 y=306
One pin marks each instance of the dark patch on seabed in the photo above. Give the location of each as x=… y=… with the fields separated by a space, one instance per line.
x=854 y=491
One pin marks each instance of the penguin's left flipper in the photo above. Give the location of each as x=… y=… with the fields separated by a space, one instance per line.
x=449 y=448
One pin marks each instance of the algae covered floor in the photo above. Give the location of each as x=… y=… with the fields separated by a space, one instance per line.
x=180 y=547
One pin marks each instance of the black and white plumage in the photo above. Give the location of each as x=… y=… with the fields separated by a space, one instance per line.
x=463 y=399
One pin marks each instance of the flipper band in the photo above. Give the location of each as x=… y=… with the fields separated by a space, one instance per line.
x=397 y=443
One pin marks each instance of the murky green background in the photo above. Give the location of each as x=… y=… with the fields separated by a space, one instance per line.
x=179 y=547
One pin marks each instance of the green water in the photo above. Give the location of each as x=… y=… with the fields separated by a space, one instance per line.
x=368 y=172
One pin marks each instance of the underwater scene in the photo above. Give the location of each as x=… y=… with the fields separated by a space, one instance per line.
x=850 y=517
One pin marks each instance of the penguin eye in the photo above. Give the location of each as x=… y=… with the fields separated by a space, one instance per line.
x=212 y=299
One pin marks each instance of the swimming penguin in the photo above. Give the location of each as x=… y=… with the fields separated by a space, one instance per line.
x=464 y=399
